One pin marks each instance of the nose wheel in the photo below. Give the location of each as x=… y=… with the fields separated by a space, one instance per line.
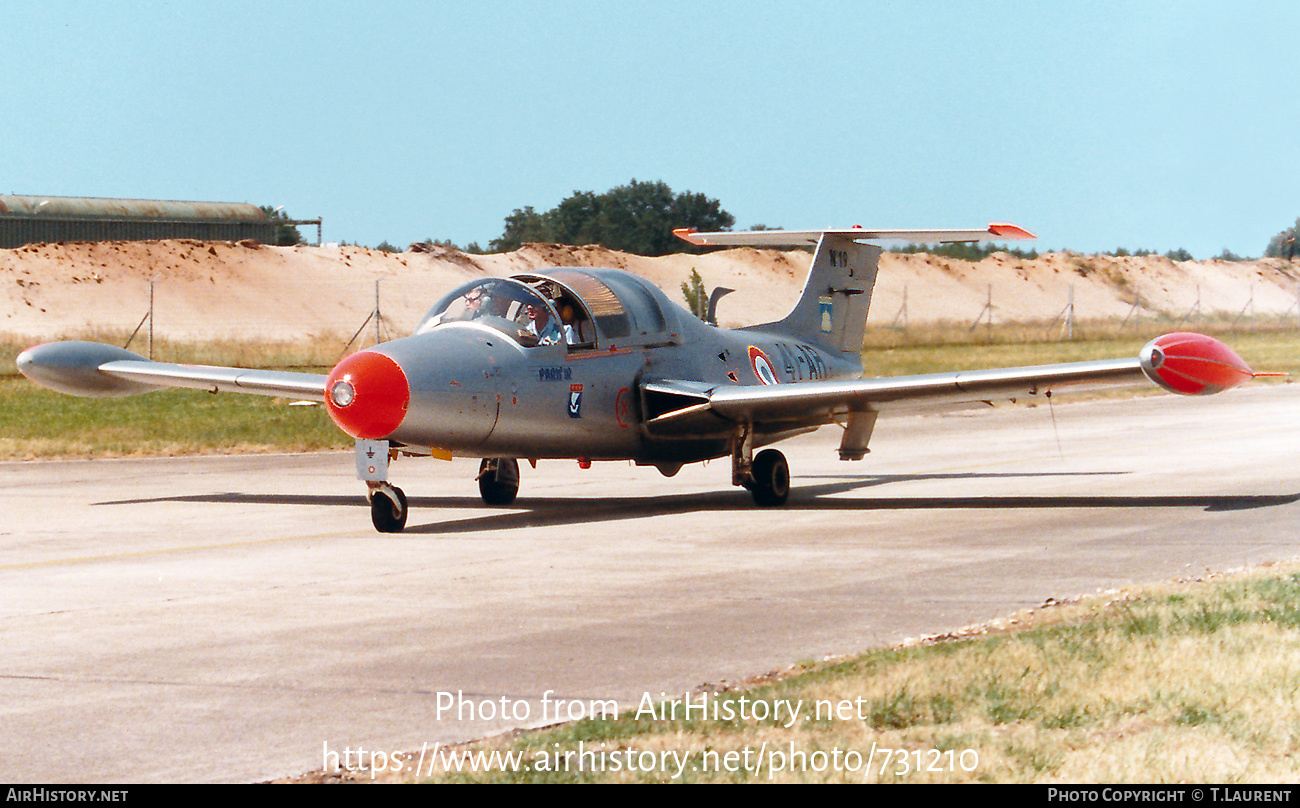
x=388 y=508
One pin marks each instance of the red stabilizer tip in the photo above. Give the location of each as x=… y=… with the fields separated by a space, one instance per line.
x=688 y=234
x=1010 y=231
x=367 y=395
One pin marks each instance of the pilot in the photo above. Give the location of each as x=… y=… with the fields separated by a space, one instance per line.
x=571 y=328
x=470 y=306
x=541 y=326
x=474 y=303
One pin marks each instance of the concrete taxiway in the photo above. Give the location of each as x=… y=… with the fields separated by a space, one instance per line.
x=237 y=618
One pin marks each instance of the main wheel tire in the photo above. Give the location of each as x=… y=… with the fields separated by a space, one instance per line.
x=388 y=516
x=771 y=475
x=499 y=485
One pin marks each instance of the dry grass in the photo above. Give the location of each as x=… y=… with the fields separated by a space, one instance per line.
x=38 y=423
x=940 y=348
x=1137 y=330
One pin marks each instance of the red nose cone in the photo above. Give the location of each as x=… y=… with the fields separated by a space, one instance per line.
x=1194 y=364
x=367 y=395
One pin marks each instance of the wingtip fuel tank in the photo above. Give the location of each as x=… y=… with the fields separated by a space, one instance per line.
x=367 y=395
x=73 y=368
x=1193 y=364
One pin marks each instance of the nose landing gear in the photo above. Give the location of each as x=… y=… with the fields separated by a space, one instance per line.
x=387 y=502
x=388 y=508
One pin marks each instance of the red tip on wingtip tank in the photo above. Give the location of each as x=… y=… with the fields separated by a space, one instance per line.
x=367 y=395
x=1193 y=364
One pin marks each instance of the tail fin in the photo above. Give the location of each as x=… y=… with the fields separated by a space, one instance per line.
x=832 y=311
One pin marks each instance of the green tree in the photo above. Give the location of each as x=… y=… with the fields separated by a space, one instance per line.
x=1285 y=244
x=965 y=251
x=522 y=226
x=638 y=218
x=576 y=220
x=286 y=235
x=697 y=297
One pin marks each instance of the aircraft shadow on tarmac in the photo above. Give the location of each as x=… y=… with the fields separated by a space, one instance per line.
x=551 y=511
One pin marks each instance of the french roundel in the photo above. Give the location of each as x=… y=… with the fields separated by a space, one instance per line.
x=763 y=368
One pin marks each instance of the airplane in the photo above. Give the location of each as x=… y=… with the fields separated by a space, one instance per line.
x=598 y=364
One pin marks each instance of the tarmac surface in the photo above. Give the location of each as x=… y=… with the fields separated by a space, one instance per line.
x=238 y=619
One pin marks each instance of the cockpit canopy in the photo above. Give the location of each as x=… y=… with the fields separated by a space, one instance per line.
x=513 y=308
x=575 y=307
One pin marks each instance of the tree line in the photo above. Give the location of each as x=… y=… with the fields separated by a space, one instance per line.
x=640 y=217
x=636 y=218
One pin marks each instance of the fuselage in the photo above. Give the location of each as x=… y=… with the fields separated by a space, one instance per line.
x=480 y=387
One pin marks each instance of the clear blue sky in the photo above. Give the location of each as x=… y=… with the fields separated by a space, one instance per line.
x=1098 y=125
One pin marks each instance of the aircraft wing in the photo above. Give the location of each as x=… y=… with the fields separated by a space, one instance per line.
x=94 y=369
x=305 y=386
x=1191 y=364
x=820 y=402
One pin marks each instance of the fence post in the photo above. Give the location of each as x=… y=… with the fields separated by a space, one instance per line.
x=151 y=280
x=1132 y=310
x=988 y=307
x=902 y=312
x=149 y=317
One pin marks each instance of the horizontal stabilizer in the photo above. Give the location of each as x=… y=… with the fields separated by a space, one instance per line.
x=997 y=231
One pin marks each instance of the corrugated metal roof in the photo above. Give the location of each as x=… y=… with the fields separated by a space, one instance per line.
x=77 y=207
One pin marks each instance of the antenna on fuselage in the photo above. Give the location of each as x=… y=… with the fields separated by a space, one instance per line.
x=711 y=317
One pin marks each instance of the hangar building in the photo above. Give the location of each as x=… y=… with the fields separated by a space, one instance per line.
x=30 y=219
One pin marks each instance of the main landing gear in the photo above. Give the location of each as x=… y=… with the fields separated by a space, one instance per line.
x=770 y=478
x=766 y=475
x=498 y=480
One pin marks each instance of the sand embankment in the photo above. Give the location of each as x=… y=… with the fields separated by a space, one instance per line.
x=206 y=290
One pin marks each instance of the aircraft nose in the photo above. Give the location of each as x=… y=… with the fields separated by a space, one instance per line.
x=367 y=395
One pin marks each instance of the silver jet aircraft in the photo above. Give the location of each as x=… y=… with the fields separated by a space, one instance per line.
x=598 y=364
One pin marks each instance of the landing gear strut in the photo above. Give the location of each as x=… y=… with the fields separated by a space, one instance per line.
x=767 y=475
x=498 y=480
x=387 y=502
